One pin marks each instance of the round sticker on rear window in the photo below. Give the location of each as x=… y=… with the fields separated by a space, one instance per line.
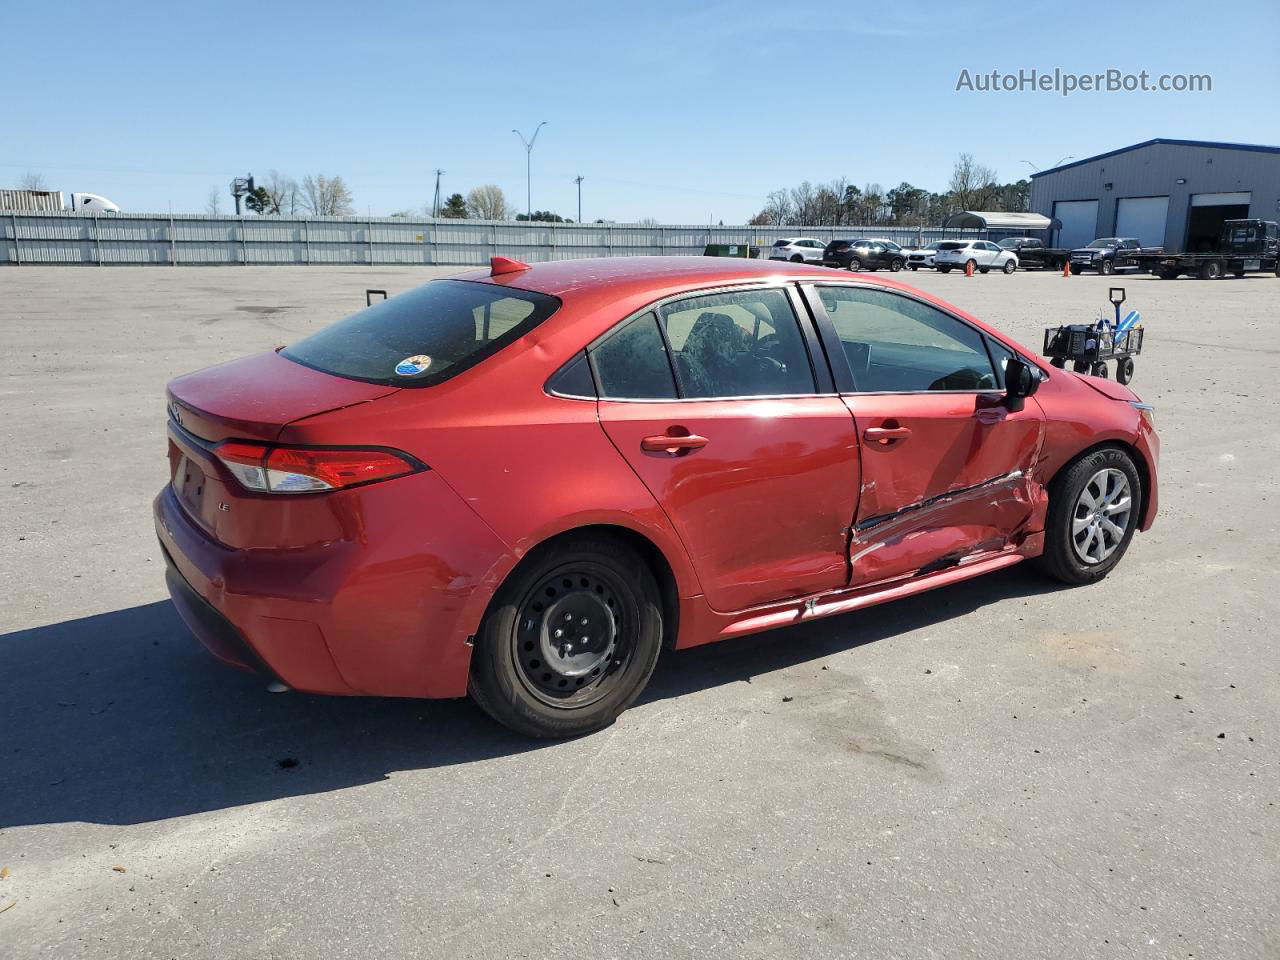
x=412 y=366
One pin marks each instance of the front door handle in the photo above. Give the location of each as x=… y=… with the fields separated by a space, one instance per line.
x=674 y=444
x=886 y=435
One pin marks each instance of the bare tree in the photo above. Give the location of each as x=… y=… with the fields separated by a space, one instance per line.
x=488 y=202
x=283 y=194
x=33 y=181
x=972 y=185
x=213 y=205
x=803 y=204
x=777 y=207
x=326 y=196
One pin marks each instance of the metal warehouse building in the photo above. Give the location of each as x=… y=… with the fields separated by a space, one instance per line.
x=1171 y=192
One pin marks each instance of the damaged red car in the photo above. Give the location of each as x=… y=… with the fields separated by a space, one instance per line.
x=525 y=483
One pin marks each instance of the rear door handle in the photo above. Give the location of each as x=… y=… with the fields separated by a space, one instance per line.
x=673 y=444
x=886 y=435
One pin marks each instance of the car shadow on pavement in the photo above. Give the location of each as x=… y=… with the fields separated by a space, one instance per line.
x=122 y=718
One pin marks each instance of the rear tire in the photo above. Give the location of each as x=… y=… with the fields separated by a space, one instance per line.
x=944 y=269
x=590 y=591
x=1071 y=516
x=797 y=258
x=1210 y=270
x=854 y=265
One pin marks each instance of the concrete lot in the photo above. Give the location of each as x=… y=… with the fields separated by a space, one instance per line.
x=1003 y=769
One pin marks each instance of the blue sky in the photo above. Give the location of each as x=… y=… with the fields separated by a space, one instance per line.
x=686 y=112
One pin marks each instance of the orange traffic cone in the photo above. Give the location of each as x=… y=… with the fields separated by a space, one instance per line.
x=1066 y=268
x=968 y=268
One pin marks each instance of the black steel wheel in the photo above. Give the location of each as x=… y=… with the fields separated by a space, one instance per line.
x=1080 y=366
x=570 y=639
x=1099 y=370
x=1058 y=362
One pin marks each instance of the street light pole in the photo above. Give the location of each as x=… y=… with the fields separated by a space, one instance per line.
x=578 y=181
x=528 y=166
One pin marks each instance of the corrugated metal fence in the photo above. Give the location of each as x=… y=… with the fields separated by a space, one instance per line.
x=140 y=239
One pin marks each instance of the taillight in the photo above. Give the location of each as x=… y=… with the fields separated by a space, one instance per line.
x=306 y=470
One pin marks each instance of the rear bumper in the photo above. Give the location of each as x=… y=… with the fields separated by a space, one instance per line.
x=387 y=610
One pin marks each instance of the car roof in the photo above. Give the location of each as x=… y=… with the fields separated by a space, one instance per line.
x=622 y=274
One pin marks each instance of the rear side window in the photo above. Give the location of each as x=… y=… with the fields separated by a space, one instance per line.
x=632 y=364
x=424 y=336
x=743 y=344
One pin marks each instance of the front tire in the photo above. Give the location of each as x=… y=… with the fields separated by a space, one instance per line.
x=1093 y=512
x=897 y=264
x=1009 y=266
x=570 y=639
x=1107 y=268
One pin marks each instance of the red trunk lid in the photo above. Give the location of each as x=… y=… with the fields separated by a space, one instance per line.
x=250 y=399
x=254 y=397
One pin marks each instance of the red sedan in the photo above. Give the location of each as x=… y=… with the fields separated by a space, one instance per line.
x=524 y=483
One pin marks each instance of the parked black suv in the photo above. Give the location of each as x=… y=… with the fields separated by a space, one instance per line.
x=860 y=254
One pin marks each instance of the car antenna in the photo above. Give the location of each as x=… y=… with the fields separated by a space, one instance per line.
x=501 y=265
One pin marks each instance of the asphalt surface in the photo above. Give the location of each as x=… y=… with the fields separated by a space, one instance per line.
x=1001 y=769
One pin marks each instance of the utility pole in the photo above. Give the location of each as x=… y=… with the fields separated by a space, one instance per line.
x=528 y=167
x=435 y=204
x=578 y=181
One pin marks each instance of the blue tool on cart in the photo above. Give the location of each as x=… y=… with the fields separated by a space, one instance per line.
x=1090 y=345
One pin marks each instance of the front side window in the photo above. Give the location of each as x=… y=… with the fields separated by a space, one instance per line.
x=424 y=336
x=742 y=344
x=895 y=344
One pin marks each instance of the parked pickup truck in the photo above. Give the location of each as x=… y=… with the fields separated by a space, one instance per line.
x=1033 y=253
x=1109 y=254
x=1245 y=246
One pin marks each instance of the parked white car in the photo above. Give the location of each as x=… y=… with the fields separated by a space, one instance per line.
x=984 y=255
x=797 y=250
x=918 y=257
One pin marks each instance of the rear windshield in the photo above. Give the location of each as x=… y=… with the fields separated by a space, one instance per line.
x=781 y=243
x=424 y=336
x=952 y=245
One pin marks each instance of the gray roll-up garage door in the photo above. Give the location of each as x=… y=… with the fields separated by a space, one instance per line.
x=1079 y=222
x=1142 y=217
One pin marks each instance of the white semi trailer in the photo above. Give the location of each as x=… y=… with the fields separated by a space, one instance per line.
x=35 y=201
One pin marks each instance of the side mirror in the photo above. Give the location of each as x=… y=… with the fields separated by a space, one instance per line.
x=1020 y=382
